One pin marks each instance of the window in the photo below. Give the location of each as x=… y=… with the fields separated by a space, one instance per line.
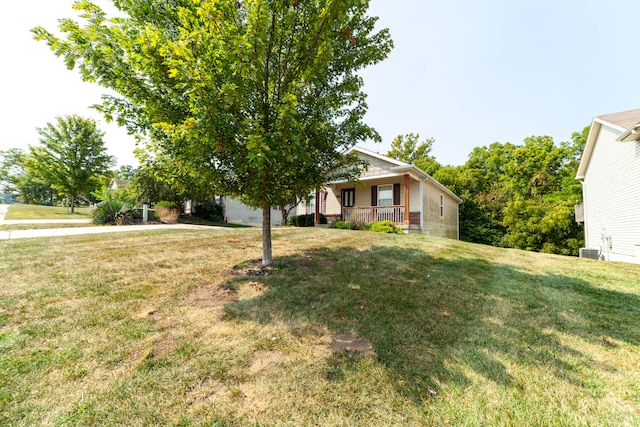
x=441 y=206
x=385 y=195
x=348 y=197
x=311 y=207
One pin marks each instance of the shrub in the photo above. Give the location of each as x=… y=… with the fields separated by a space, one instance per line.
x=209 y=210
x=165 y=204
x=112 y=212
x=308 y=220
x=385 y=227
x=345 y=225
x=166 y=215
x=366 y=227
x=303 y=220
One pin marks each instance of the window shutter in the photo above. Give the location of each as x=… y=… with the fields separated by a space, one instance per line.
x=374 y=195
x=396 y=194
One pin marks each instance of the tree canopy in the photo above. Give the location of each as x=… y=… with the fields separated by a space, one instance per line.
x=408 y=149
x=258 y=98
x=70 y=157
x=16 y=177
x=521 y=196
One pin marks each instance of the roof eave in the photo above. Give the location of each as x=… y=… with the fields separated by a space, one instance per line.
x=588 y=148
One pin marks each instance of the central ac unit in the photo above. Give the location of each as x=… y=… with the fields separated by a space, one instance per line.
x=589 y=253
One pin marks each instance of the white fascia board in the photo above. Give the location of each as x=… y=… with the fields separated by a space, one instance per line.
x=377 y=156
x=612 y=125
x=596 y=125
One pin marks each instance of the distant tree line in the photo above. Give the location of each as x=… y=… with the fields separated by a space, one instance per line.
x=516 y=196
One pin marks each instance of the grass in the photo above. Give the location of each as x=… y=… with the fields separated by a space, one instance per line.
x=180 y=328
x=21 y=211
x=16 y=227
x=185 y=219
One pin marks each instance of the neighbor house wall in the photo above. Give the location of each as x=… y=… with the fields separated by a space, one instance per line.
x=434 y=224
x=239 y=213
x=612 y=196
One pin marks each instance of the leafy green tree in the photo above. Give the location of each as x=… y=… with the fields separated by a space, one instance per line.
x=540 y=179
x=408 y=149
x=71 y=156
x=125 y=172
x=257 y=97
x=15 y=176
x=535 y=168
x=520 y=196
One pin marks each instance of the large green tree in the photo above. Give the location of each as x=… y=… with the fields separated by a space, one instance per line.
x=408 y=148
x=520 y=196
x=259 y=98
x=15 y=176
x=71 y=156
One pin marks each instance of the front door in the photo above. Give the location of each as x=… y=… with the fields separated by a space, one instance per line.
x=348 y=199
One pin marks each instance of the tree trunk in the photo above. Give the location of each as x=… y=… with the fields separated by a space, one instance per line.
x=73 y=203
x=267 y=254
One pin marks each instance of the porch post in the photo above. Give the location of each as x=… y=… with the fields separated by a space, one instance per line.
x=317 y=216
x=406 y=199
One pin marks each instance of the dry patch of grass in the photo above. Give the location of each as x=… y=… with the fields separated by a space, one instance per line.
x=16 y=227
x=184 y=327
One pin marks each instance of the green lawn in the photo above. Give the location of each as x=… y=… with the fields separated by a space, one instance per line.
x=351 y=328
x=20 y=211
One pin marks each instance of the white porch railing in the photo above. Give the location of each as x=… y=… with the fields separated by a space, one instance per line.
x=363 y=215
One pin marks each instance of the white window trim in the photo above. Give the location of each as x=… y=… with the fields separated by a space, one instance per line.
x=442 y=206
x=380 y=192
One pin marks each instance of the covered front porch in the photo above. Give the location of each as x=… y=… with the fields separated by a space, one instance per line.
x=392 y=198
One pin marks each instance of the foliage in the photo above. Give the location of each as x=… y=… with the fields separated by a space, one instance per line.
x=15 y=176
x=70 y=157
x=345 y=225
x=208 y=210
x=385 y=227
x=406 y=148
x=520 y=196
x=306 y=220
x=166 y=204
x=151 y=188
x=258 y=98
x=125 y=172
x=126 y=192
x=113 y=212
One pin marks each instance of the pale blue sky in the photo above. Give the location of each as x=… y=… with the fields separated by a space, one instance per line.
x=467 y=73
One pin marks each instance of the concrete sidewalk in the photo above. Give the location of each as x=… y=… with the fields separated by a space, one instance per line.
x=53 y=232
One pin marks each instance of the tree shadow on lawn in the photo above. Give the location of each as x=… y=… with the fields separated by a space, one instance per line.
x=432 y=320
